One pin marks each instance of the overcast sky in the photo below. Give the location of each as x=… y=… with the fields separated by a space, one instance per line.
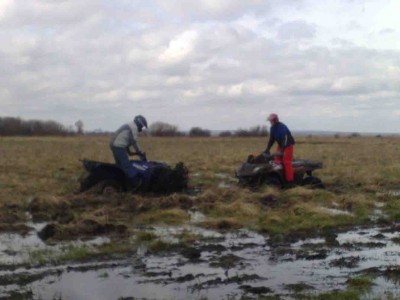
x=219 y=64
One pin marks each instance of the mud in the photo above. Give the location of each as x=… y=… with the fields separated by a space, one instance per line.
x=216 y=265
x=85 y=228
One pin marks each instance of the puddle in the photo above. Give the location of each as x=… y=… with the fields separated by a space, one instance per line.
x=394 y=193
x=335 y=211
x=15 y=249
x=227 y=180
x=229 y=265
x=224 y=185
x=196 y=216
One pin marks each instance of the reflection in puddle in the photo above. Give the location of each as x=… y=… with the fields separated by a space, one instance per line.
x=228 y=264
x=15 y=249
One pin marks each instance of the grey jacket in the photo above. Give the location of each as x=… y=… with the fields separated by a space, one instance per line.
x=127 y=135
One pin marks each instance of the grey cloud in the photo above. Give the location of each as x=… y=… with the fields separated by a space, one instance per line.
x=298 y=29
x=99 y=69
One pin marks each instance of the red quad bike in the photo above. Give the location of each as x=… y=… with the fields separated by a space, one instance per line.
x=262 y=169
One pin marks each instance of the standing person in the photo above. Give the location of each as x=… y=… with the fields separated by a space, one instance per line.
x=282 y=135
x=122 y=139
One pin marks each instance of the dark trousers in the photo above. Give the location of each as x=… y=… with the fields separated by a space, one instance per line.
x=122 y=160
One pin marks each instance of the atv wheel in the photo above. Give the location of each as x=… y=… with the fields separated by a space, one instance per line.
x=272 y=181
x=313 y=182
x=108 y=187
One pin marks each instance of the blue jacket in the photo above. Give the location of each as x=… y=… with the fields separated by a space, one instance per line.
x=281 y=134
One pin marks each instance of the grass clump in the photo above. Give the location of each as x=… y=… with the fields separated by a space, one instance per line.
x=73 y=252
x=158 y=246
x=300 y=217
x=362 y=284
x=169 y=216
x=336 y=295
x=145 y=236
x=116 y=247
x=53 y=256
x=356 y=288
x=396 y=240
x=76 y=253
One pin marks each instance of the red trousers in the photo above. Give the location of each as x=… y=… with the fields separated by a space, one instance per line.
x=287 y=162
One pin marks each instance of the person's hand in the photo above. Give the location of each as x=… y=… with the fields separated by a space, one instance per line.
x=267 y=152
x=142 y=156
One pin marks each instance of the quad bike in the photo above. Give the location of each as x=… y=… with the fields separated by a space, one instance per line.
x=154 y=177
x=262 y=169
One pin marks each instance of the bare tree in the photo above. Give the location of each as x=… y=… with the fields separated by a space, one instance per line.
x=226 y=133
x=163 y=129
x=197 y=132
x=79 y=126
x=253 y=132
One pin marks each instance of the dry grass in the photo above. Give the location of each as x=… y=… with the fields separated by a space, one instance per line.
x=355 y=171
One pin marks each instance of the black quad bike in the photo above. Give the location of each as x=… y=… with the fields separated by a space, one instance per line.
x=154 y=177
x=262 y=169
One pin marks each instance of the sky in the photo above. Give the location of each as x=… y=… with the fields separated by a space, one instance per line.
x=218 y=64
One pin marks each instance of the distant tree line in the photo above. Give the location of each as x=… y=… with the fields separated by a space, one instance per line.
x=199 y=132
x=251 y=132
x=11 y=126
x=162 y=129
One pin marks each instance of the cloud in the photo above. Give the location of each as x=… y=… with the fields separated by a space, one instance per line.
x=5 y=8
x=179 y=47
x=188 y=63
x=209 y=9
x=295 y=30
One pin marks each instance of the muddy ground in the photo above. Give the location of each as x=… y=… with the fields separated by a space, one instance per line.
x=189 y=262
x=222 y=242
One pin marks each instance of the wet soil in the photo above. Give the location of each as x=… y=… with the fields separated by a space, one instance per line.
x=216 y=265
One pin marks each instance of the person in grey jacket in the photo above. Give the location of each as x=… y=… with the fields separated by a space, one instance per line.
x=125 y=137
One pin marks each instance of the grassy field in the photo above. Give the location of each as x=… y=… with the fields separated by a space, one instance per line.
x=41 y=175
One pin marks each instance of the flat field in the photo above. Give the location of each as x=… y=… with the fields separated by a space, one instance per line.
x=39 y=180
x=357 y=172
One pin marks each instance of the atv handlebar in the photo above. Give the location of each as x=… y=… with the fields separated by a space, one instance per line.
x=142 y=155
x=272 y=156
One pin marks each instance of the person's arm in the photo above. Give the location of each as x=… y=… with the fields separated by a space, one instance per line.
x=270 y=143
x=135 y=146
x=134 y=142
x=130 y=152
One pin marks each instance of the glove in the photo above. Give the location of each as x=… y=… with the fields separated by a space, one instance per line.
x=142 y=156
x=267 y=152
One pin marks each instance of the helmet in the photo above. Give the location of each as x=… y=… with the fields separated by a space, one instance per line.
x=273 y=118
x=140 y=122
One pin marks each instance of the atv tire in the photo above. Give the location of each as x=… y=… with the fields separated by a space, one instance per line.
x=313 y=182
x=272 y=181
x=108 y=187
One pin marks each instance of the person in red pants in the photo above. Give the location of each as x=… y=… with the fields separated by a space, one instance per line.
x=281 y=134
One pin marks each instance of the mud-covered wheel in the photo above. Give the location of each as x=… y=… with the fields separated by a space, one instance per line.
x=271 y=181
x=243 y=182
x=109 y=187
x=313 y=182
